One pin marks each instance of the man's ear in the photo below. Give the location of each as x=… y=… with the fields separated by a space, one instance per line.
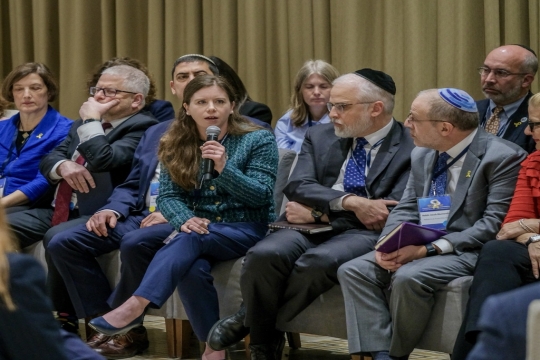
x=446 y=128
x=137 y=100
x=378 y=108
x=171 y=84
x=527 y=80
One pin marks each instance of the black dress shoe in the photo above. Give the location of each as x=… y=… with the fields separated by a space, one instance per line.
x=272 y=351
x=228 y=331
x=128 y=345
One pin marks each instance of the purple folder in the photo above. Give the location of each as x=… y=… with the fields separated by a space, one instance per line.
x=407 y=234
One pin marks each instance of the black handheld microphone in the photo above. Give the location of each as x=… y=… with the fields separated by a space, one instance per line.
x=212 y=133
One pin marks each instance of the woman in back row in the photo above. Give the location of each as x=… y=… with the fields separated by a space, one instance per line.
x=308 y=104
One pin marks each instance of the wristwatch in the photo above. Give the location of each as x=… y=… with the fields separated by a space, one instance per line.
x=317 y=216
x=431 y=251
x=88 y=121
x=533 y=239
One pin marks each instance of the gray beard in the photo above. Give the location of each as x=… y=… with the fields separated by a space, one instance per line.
x=358 y=127
x=506 y=98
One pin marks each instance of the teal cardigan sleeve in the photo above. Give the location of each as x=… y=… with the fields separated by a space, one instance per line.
x=254 y=184
x=173 y=200
x=243 y=192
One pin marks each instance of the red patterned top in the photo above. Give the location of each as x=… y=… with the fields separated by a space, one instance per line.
x=526 y=201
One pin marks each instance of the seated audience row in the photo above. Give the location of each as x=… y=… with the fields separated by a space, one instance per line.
x=351 y=174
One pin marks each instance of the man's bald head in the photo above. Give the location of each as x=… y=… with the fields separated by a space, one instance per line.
x=508 y=73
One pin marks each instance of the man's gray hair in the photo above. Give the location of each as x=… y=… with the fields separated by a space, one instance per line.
x=134 y=79
x=439 y=109
x=367 y=91
x=529 y=64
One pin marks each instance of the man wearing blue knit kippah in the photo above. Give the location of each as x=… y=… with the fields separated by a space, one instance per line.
x=455 y=161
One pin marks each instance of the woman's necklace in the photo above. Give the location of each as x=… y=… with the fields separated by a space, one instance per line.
x=26 y=133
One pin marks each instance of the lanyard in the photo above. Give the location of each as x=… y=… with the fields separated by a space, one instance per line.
x=9 y=153
x=448 y=166
x=368 y=157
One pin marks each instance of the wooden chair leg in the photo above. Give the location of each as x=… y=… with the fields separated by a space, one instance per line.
x=178 y=336
x=361 y=357
x=247 y=340
x=294 y=340
x=87 y=329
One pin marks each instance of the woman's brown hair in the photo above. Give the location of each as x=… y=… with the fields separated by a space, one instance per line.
x=24 y=70
x=7 y=245
x=179 y=148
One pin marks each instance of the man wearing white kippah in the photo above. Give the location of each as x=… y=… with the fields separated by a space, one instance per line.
x=455 y=163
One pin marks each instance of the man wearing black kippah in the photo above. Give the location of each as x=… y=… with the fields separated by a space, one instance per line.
x=506 y=77
x=349 y=174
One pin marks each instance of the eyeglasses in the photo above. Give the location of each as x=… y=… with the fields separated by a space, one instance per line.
x=341 y=107
x=107 y=91
x=411 y=120
x=498 y=73
x=533 y=124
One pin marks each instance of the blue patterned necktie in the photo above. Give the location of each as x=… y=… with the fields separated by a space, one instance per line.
x=439 y=183
x=355 y=172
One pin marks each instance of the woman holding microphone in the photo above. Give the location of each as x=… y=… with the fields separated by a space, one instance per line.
x=217 y=219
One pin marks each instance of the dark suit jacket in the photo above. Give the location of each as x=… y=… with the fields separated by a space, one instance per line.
x=111 y=153
x=503 y=324
x=131 y=195
x=257 y=110
x=513 y=133
x=260 y=123
x=320 y=162
x=29 y=332
x=483 y=193
x=161 y=109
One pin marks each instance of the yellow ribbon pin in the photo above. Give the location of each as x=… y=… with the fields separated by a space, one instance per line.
x=516 y=124
x=39 y=136
x=468 y=173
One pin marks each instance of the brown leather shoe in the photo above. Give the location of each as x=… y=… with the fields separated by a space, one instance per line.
x=97 y=339
x=128 y=345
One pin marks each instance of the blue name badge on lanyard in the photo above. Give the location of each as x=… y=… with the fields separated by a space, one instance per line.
x=154 y=192
x=2 y=186
x=434 y=211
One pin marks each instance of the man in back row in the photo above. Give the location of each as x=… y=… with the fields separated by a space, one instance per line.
x=506 y=77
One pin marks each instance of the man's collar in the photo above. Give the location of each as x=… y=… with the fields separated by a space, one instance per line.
x=373 y=138
x=508 y=109
x=460 y=146
x=117 y=122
